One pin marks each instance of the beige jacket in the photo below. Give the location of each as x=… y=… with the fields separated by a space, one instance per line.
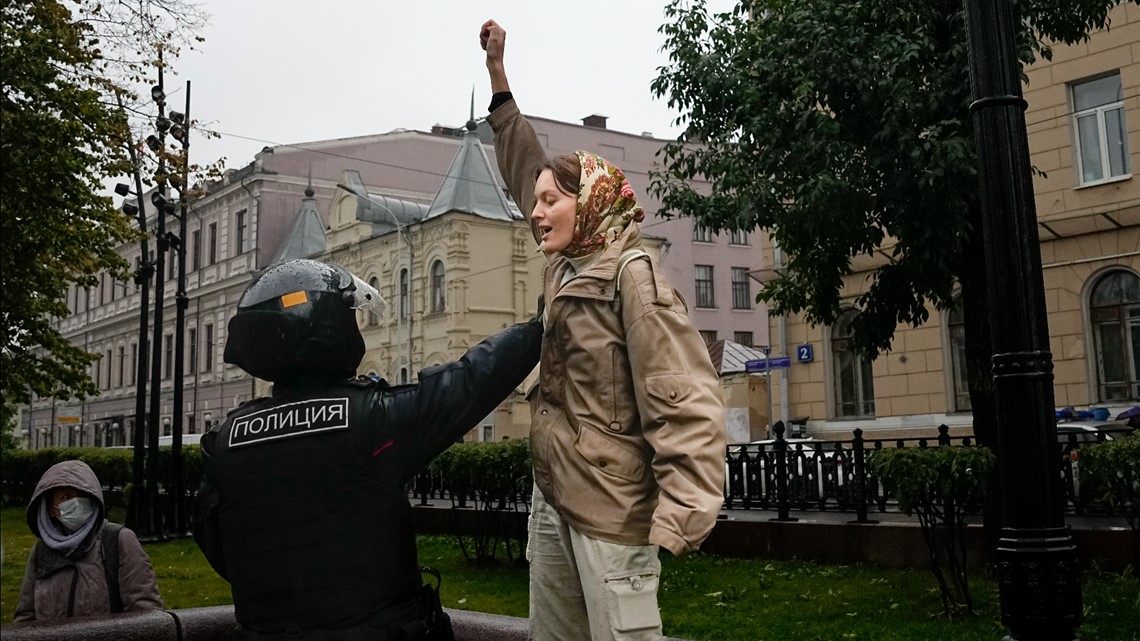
x=627 y=428
x=46 y=598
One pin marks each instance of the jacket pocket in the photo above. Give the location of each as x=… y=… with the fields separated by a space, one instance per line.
x=670 y=388
x=633 y=602
x=610 y=456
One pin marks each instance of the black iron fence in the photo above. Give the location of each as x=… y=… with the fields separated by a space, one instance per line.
x=809 y=475
x=804 y=475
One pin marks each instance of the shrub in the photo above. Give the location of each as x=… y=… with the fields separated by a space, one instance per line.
x=1111 y=470
x=939 y=484
x=496 y=478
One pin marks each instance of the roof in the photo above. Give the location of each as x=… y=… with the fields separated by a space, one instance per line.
x=729 y=357
x=470 y=185
x=306 y=238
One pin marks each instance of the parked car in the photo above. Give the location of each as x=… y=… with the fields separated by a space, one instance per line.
x=816 y=470
x=1072 y=435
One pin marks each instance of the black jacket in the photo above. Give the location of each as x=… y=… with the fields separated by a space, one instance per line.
x=303 y=506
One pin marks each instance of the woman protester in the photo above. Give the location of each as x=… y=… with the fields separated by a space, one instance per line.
x=82 y=565
x=627 y=428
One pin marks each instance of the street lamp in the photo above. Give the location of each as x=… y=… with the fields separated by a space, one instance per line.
x=401 y=234
x=1038 y=574
x=179 y=124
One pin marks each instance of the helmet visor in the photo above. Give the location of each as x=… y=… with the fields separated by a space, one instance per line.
x=367 y=298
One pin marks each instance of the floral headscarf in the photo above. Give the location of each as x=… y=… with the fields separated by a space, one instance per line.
x=606 y=205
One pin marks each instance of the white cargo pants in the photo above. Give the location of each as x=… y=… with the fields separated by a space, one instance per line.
x=578 y=583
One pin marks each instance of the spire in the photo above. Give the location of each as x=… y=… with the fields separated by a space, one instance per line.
x=306 y=238
x=470 y=185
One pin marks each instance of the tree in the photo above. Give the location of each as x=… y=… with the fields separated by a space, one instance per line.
x=842 y=129
x=62 y=66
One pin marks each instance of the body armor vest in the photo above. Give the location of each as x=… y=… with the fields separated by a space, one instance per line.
x=314 y=529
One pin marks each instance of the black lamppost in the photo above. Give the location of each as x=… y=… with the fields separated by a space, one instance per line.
x=138 y=506
x=153 y=527
x=1038 y=576
x=180 y=131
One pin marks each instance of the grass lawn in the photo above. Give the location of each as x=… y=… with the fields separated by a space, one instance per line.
x=703 y=597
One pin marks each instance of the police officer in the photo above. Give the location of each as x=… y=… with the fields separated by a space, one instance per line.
x=303 y=506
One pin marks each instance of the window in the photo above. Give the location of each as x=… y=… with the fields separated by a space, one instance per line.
x=109 y=369
x=405 y=299
x=213 y=244
x=171 y=255
x=168 y=349
x=709 y=336
x=704 y=279
x=957 y=327
x=134 y=363
x=208 y=349
x=1102 y=138
x=195 y=249
x=102 y=286
x=437 y=293
x=190 y=427
x=1115 y=315
x=239 y=233
x=702 y=234
x=741 y=289
x=738 y=238
x=403 y=375
x=192 y=339
x=743 y=338
x=373 y=317
x=854 y=382
x=122 y=364
x=96 y=371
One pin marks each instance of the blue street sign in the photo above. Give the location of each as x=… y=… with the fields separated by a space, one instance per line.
x=762 y=365
x=759 y=365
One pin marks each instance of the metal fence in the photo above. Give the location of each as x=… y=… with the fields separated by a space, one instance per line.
x=810 y=476
x=821 y=476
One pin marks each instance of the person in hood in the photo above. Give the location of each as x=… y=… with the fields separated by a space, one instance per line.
x=627 y=421
x=304 y=506
x=68 y=573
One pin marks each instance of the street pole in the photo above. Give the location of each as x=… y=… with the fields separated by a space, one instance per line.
x=767 y=349
x=142 y=279
x=1038 y=576
x=181 y=303
x=153 y=521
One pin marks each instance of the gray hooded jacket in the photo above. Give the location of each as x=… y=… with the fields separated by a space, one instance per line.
x=47 y=592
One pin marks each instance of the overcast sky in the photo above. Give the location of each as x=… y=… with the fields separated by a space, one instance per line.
x=288 y=71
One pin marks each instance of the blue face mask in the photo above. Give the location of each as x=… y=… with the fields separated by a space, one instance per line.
x=73 y=513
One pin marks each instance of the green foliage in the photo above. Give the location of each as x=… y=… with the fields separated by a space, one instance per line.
x=20 y=470
x=60 y=140
x=495 y=479
x=1111 y=470
x=939 y=485
x=842 y=129
x=702 y=597
x=922 y=478
x=67 y=67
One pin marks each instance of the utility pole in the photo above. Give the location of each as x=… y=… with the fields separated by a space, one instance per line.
x=143 y=274
x=180 y=131
x=1038 y=577
x=153 y=526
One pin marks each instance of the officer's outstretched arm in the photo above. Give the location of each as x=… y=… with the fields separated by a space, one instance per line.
x=452 y=398
x=207 y=533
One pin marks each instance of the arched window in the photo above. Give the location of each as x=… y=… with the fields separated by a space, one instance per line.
x=437 y=297
x=956 y=324
x=854 y=382
x=1115 y=313
x=405 y=298
x=373 y=317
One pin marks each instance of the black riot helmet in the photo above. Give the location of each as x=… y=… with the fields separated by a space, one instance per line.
x=298 y=320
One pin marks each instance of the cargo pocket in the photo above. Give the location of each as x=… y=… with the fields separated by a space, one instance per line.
x=633 y=605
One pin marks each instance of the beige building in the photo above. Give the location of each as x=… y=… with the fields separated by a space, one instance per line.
x=1083 y=123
